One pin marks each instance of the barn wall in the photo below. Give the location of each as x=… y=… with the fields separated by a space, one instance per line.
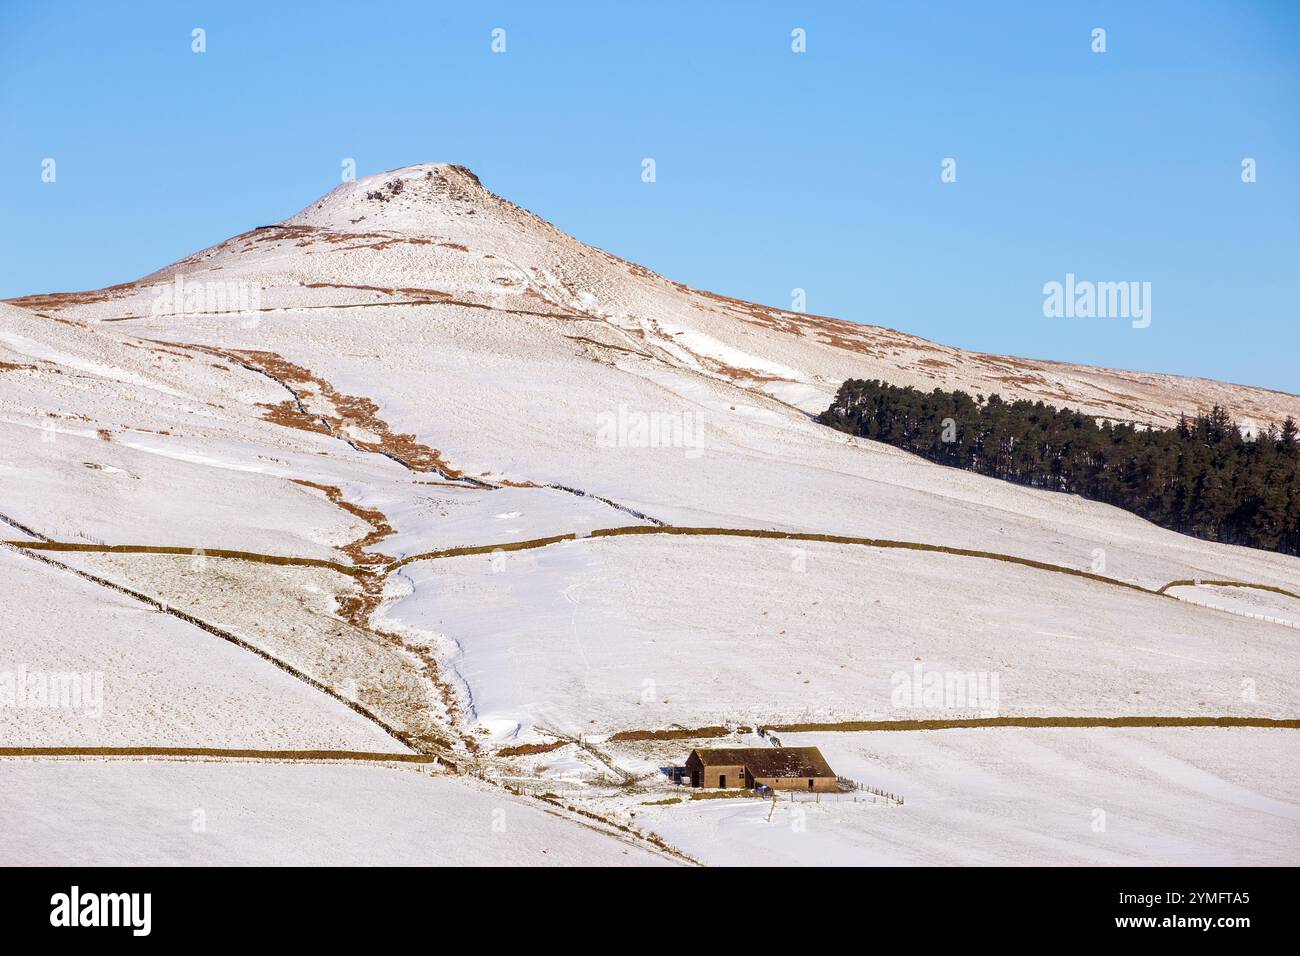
x=735 y=776
x=820 y=784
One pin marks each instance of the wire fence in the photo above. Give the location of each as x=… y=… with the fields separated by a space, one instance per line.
x=853 y=786
x=1268 y=618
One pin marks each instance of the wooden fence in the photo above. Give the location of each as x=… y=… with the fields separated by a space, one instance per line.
x=853 y=786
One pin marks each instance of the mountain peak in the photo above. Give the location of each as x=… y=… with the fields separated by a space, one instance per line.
x=408 y=199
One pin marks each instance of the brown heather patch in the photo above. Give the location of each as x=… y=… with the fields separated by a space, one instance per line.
x=340 y=416
x=13 y=367
x=353 y=412
x=62 y=300
x=527 y=750
x=722 y=794
x=291 y=415
x=734 y=373
x=304 y=235
x=839 y=333
x=676 y=733
x=1026 y=382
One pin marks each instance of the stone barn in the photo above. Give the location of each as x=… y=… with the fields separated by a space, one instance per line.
x=744 y=768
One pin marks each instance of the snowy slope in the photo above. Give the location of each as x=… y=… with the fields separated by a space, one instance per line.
x=434 y=231
x=148 y=679
x=244 y=814
x=609 y=635
x=1006 y=797
x=413 y=364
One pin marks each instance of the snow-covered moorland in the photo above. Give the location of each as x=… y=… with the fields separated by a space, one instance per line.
x=387 y=492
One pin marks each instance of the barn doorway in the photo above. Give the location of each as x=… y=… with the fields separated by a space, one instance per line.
x=722 y=781
x=810 y=786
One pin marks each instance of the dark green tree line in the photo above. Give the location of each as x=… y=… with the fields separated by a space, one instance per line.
x=1203 y=477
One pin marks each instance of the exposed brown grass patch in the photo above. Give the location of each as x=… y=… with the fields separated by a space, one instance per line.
x=528 y=750
x=349 y=416
x=674 y=733
x=317 y=406
x=62 y=300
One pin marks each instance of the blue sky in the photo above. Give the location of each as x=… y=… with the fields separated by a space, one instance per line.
x=775 y=170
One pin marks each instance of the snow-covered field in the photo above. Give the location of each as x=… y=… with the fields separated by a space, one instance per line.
x=1014 y=797
x=608 y=634
x=227 y=813
x=1006 y=796
x=1268 y=606
x=414 y=364
x=143 y=678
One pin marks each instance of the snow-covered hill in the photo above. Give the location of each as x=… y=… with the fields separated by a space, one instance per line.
x=413 y=364
x=435 y=232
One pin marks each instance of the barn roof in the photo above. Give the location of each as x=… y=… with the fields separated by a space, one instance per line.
x=769 y=761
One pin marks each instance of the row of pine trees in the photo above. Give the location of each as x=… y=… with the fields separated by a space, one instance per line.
x=1204 y=477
